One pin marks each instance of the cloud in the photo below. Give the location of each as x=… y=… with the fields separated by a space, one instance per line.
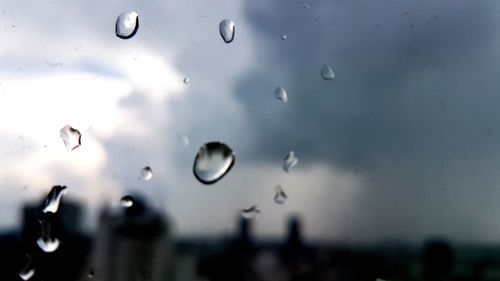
x=39 y=105
x=409 y=108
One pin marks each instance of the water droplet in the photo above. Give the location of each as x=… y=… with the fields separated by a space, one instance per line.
x=290 y=162
x=284 y=37
x=213 y=161
x=71 y=137
x=306 y=6
x=146 y=173
x=186 y=80
x=53 y=199
x=127 y=201
x=90 y=274
x=48 y=245
x=280 y=94
x=127 y=25
x=28 y=270
x=327 y=72
x=251 y=212
x=183 y=140
x=227 y=29
x=280 y=196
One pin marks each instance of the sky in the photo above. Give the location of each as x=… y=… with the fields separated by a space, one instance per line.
x=402 y=144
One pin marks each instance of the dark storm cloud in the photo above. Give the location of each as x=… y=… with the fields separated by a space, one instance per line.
x=379 y=104
x=413 y=106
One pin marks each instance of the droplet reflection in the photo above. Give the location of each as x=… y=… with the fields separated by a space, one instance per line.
x=281 y=94
x=127 y=25
x=213 y=161
x=280 y=196
x=227 y=29
x=71 y=137
x=327 y=72
x=250 y=213
x=290 y=162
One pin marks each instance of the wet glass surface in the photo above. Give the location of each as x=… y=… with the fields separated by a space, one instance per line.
x=249 y=140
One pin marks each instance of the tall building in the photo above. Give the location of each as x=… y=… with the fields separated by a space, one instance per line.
x=134 y=244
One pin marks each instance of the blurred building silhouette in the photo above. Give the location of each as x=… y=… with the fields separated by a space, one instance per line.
x=133 y=245
x=66 y=263
x=136 y=243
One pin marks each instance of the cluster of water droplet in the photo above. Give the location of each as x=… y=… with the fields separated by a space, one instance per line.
x=212 y=162
x=47 y=241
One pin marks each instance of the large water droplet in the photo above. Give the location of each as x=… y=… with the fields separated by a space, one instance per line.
x=146 y=173
x=186 y=80
x=251 y=212
x=48 y=245
x=53 y=199
x=327 y=72
x=227 y=29
x=27 y=271
x=284 y=37
x=183 y=140
x=290 y=162
x=280 y=195
x=280 y=94
x=71 y=137
x=213 y=161
x=127 y=25
x=127 y=201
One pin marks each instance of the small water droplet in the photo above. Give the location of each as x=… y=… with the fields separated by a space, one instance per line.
x=290 y=162
x=48 y=245
x=306 y=6
x=280 y=196
x=127 y=201
x=250 y=213
x=146 y=173
x=53 y=199
x=183 y=140
x=284 y=37
x=127 y=25
x=186 y=80
x=213 y=161
x=280 y=94
x=227 y=29
x=327 y=72
x=71 y=137
x=28 y=270
x=90 y=274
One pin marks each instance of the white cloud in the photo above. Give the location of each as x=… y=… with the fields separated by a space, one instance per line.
x=34 y=107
